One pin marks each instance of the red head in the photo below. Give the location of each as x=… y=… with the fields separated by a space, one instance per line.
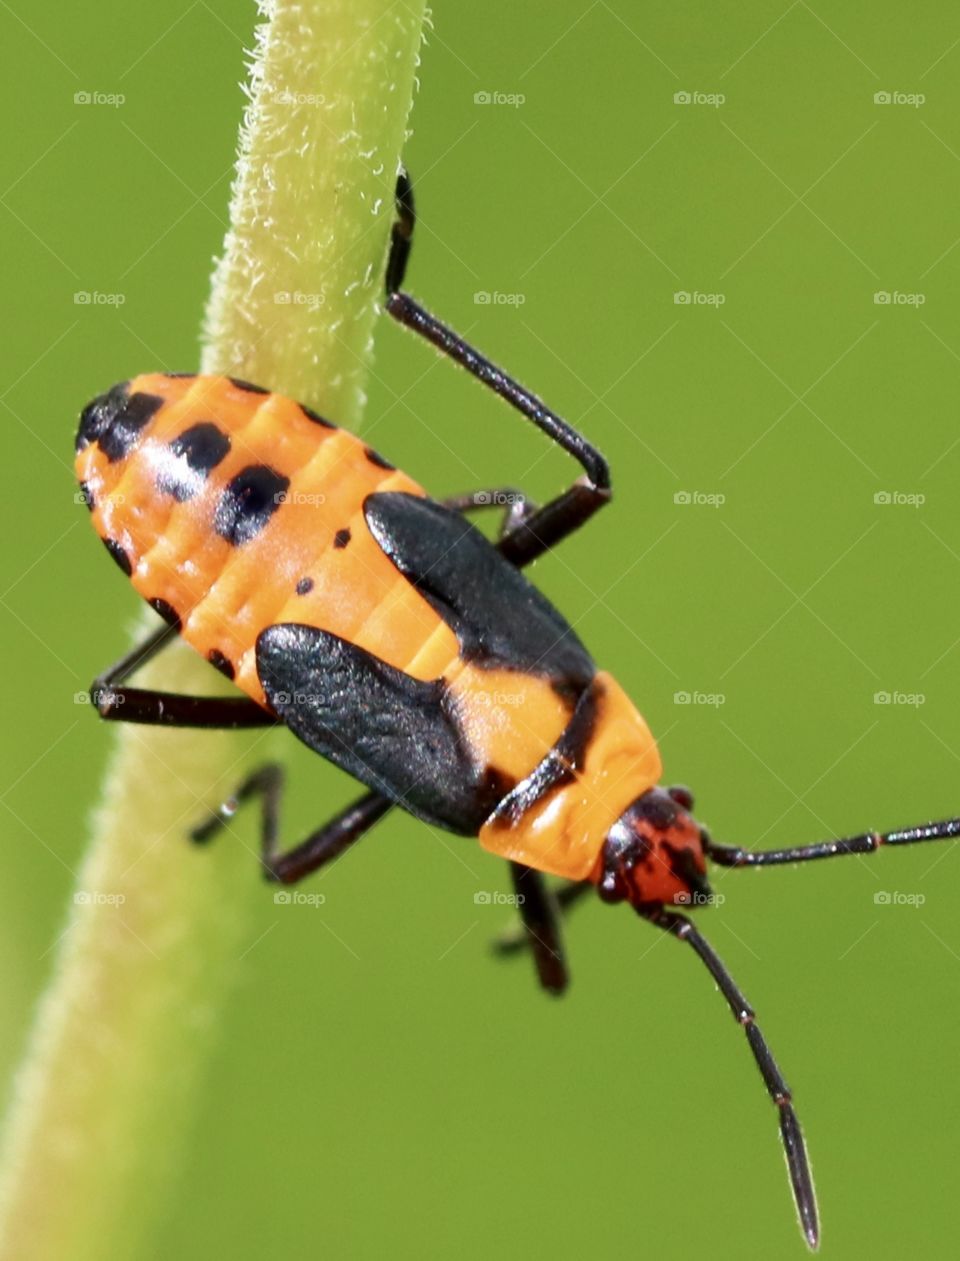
x=654 y=853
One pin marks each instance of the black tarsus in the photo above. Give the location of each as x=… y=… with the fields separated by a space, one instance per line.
x=541 y=922
x=865 y=843
x=319 y=848
x=134 y=704
x=798 y=1164
x=568 y=511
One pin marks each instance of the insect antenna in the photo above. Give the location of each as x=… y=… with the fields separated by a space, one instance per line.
x=798 y=1164
x=865 y=843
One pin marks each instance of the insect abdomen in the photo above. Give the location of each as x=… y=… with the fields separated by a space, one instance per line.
x=232 y=509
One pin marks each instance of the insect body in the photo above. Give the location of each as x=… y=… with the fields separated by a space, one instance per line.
x=385 y=631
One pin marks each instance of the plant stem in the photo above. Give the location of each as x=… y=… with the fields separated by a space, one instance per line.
x=157 y=931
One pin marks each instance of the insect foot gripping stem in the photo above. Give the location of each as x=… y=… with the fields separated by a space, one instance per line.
x=654 y=853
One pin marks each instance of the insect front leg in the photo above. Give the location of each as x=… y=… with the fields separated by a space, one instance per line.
x=320 y=847
x=569 y=510
x=540 y=916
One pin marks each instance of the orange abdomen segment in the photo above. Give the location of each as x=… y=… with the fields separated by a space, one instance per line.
x=236 y=509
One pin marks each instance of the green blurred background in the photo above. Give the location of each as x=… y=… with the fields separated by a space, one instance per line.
x=382 y=1085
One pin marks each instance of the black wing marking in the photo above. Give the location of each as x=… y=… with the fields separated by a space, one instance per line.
x=500 y=619
x=397 y=734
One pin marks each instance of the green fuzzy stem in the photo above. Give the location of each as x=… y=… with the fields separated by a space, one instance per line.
x=156 y=930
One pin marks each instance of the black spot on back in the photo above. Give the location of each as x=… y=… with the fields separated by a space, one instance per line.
x=341 y=538
x=96 y=415
x=376 y=458
x=248 y=503
x=166 y=611
x=316 y=417
x=197 y=451
x=115 y=420
x=119 y=555
x=304 y=586
x=222 y=663
x=86 y=497
x=247 y=385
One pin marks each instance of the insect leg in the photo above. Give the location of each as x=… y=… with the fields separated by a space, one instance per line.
x=865 y=843
x=516 y=938
x=541 y=925
x=320 y=847
x=798 y=1164
x=569 y=510
x=133 y=704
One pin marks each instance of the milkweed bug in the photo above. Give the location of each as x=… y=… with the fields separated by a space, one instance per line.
x=381 y=627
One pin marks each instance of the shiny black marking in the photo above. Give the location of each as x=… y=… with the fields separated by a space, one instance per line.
x=197 y=451
x=304 y=586
x=248 y=503
x=246 y=385
x=97 y=415
x=376 y=458
x=341 y=538
x=167 y=612
x=220 y=662
x=499 y=618
x=316 y=417
x=119 y=555
x=397 y=734
x=115 y=420
x=86 y=497
x=557 y=768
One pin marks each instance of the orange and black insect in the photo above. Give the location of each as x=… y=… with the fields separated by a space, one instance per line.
x=381 y=628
